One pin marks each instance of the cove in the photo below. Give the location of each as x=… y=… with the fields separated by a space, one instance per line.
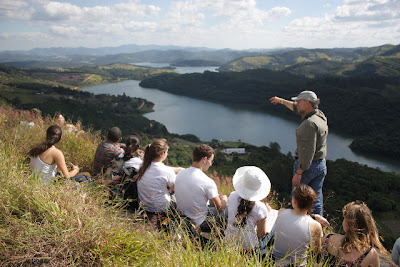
x=184 y=115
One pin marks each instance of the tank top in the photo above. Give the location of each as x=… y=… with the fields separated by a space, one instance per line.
x=45 y=171
x=292 y=237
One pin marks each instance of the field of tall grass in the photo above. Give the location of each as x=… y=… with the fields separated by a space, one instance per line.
x=64 y=223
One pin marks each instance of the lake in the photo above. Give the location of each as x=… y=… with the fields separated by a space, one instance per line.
x=184 y=115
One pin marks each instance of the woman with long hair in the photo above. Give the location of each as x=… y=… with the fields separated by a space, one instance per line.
x=295 y=231
x=247 y=215
x=360 y=245
x=45 y=158
x=155 y=180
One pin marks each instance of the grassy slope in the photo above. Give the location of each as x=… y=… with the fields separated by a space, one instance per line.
x=65 y=224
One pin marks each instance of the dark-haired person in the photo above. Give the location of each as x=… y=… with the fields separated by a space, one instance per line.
x=310 y=164
x=45 y=158
x=295 y=231
x=108 y=150
x=194 y=190
x=132 y=154
x=247 y=215
x=360 y=245
x=155 y=180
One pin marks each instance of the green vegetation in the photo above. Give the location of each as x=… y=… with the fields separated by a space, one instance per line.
x=82 y=76
x=362 y=107
x=382 y=60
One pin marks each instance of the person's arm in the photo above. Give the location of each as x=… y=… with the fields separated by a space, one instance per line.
x=262 y=228
x=324 y=222
x=316 y=235
x=278 y=100
x=59 y=159
x=219 y=202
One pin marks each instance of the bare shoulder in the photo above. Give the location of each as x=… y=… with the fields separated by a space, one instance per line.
x=333 y=243
x=372 y=258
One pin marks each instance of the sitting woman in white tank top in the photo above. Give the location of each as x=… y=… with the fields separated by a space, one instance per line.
x=46 y=158
x=295 y=231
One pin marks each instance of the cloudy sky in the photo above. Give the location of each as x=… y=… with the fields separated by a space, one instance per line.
x=236 y=24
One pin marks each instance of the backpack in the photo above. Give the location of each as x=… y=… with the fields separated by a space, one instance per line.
x=124 y=183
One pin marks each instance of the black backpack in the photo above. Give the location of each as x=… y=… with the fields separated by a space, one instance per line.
x=124 y=184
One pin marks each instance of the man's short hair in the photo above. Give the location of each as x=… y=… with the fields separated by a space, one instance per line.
x=114 y=134
x=202 y=151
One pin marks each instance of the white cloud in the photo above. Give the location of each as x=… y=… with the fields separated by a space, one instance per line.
x=13 y=9
x=368 y=10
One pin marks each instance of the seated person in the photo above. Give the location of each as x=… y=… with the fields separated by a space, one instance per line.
x=295 y=231
x=132 y=154
x=108 y=150
x=247 y=216
x=155 y=180
x=360 y=245
x=194 y=189
x=45 y=158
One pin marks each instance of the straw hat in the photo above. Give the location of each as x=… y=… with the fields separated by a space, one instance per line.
x=251 y=183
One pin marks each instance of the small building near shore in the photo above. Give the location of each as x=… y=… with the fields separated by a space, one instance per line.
x=230 y=151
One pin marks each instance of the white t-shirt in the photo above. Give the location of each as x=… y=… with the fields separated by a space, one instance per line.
x=152 y=187
x=135 y=163
x=246 y=237
x=193 y=189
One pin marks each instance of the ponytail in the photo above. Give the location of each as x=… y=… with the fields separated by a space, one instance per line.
x=244 y=208
x=151 y=153
x=133 y=143
x=53 y=136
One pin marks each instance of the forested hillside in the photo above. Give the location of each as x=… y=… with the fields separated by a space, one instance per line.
x=374 y=61
x=362 y=107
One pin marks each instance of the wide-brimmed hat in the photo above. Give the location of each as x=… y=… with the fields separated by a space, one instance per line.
x=251 y=183
x=306 y=95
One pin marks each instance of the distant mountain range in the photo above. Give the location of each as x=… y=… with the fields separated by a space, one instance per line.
x=313 y=63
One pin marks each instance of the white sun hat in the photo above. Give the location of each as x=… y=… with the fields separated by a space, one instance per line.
x=251 y=183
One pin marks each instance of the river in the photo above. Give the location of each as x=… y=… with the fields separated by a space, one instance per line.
x=184 y=115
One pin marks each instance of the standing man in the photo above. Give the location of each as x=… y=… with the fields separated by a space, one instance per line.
x=194 y=189
x=310 y=164
x=108 y=150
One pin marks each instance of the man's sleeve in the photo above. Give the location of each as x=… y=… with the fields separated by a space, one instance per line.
x=211 y=190
x=306 y=144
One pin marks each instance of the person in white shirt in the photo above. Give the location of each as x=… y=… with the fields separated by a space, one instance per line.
x=45 y=159
x=247 y=216
x=155 y=181
x=194 y=191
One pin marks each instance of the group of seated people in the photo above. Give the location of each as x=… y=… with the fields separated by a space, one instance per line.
x=243 y=215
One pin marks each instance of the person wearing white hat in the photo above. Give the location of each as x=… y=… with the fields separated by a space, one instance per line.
x=310 y=164
x=247 y=215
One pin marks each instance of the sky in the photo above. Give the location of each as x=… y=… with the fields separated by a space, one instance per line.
x=234 y=24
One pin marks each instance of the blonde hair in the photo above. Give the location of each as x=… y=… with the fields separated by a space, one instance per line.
x=361 y=228
x=152 y=152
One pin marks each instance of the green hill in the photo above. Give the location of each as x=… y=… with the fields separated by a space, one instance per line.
x=381 y=60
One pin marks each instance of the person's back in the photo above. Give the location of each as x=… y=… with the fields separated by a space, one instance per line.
x=292 y=236
x=367 y=257
x=44 y=165
x=193 y=189
x=107 y=150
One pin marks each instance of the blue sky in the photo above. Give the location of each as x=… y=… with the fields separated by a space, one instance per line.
x=235 y=24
